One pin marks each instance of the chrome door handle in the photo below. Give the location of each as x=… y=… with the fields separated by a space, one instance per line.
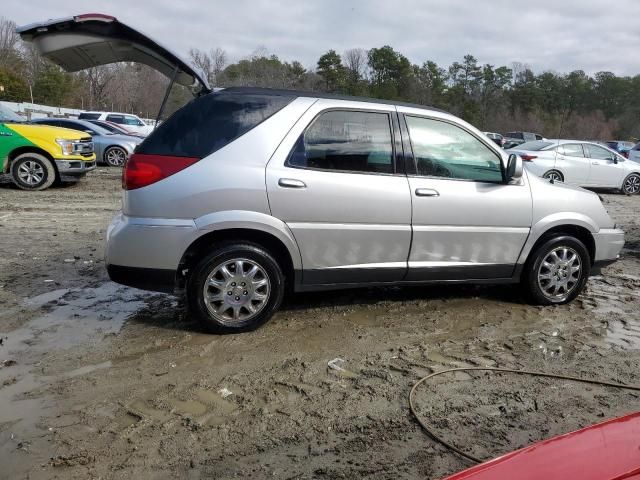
x=291 y=183
x=426 y=192
x=595 y=163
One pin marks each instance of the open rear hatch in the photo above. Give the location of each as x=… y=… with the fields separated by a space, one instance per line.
x=85 y=41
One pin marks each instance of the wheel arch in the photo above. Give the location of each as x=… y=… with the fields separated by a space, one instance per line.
x=274 y=236
x=16 y=152
x=106 y=149
x=580 y=231
x=557 y=169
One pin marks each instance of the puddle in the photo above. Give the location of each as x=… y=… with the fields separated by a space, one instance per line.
x=74 y=317
x=77 y=316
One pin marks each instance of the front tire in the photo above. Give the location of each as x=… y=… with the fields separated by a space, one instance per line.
x=631 y=185
x=557 y=271
x=236 y=288
x=115 y=156
x=32 y=171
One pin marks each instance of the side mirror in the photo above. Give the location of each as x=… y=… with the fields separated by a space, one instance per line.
x=514 y=168
x=615 y=160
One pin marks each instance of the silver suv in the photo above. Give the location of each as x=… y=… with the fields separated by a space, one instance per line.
x=246 y=192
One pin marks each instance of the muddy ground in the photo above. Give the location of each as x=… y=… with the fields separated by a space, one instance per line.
x=103 y=381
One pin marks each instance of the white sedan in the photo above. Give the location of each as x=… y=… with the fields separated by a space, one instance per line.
x=586 y=164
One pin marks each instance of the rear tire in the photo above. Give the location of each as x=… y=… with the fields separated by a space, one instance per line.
x=553 y=175
x=631 y=185
x=556 y=271
x=236 y=288
x=32 y=171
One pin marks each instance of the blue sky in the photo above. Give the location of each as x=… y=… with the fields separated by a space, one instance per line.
x=560 y=35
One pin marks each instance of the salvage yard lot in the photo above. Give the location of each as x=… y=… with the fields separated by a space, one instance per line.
x=99 y=380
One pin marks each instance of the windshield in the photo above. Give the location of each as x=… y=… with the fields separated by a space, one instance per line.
x=534 y=146
x=7 y=115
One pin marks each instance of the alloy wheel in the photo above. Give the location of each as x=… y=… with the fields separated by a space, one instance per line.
x=236 y=291
x=553 y=177
x=559 y=273
x=31 y=173
x=116 y=157
x=632 y=185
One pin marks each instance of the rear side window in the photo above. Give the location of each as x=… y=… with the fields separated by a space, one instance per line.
x=515 y=135
x=347 y=141
x=89 y=116
x=210 y=122
x=119 y=119
x=571 y=150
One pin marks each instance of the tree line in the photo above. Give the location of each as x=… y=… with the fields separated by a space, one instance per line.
x=493 y=98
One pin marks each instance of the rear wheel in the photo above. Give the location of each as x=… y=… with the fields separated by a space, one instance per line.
x=236 y=288
x=557 y=271
x=115 y=156
x=631 y=184
x=553 y=176
x=32 y=171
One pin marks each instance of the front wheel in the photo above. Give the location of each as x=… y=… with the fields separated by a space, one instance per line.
x=236 y=288
x=631 y=184
x=557 y=271
x=115 y=156
x=32 y=171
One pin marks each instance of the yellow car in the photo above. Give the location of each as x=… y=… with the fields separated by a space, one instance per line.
x=35 y=156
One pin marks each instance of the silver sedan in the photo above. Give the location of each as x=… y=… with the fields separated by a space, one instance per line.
x=111 y=149
x=585 y=164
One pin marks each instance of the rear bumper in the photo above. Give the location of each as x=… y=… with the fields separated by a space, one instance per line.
x=146 y=252
x=153 y=279
x=608 y=243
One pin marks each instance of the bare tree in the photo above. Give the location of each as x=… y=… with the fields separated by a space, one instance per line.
x=98 y=78
x=355 y=61
x=8 y=42
x=211 y=63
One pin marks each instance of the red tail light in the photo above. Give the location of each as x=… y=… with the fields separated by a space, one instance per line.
x=142 y=170
x=527 y=158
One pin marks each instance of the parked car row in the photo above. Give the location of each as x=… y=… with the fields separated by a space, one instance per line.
x=111 y=148
x=36 y=154
x=128 y=121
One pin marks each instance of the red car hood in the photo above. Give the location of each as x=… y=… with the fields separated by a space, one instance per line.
x=606 y=451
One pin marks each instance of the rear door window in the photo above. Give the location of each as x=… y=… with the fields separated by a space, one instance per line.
x=210 y=122
x=571 y=150
x=347 y=141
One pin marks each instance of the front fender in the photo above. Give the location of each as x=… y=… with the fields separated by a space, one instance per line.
x=233 y=219
x=555 y=220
